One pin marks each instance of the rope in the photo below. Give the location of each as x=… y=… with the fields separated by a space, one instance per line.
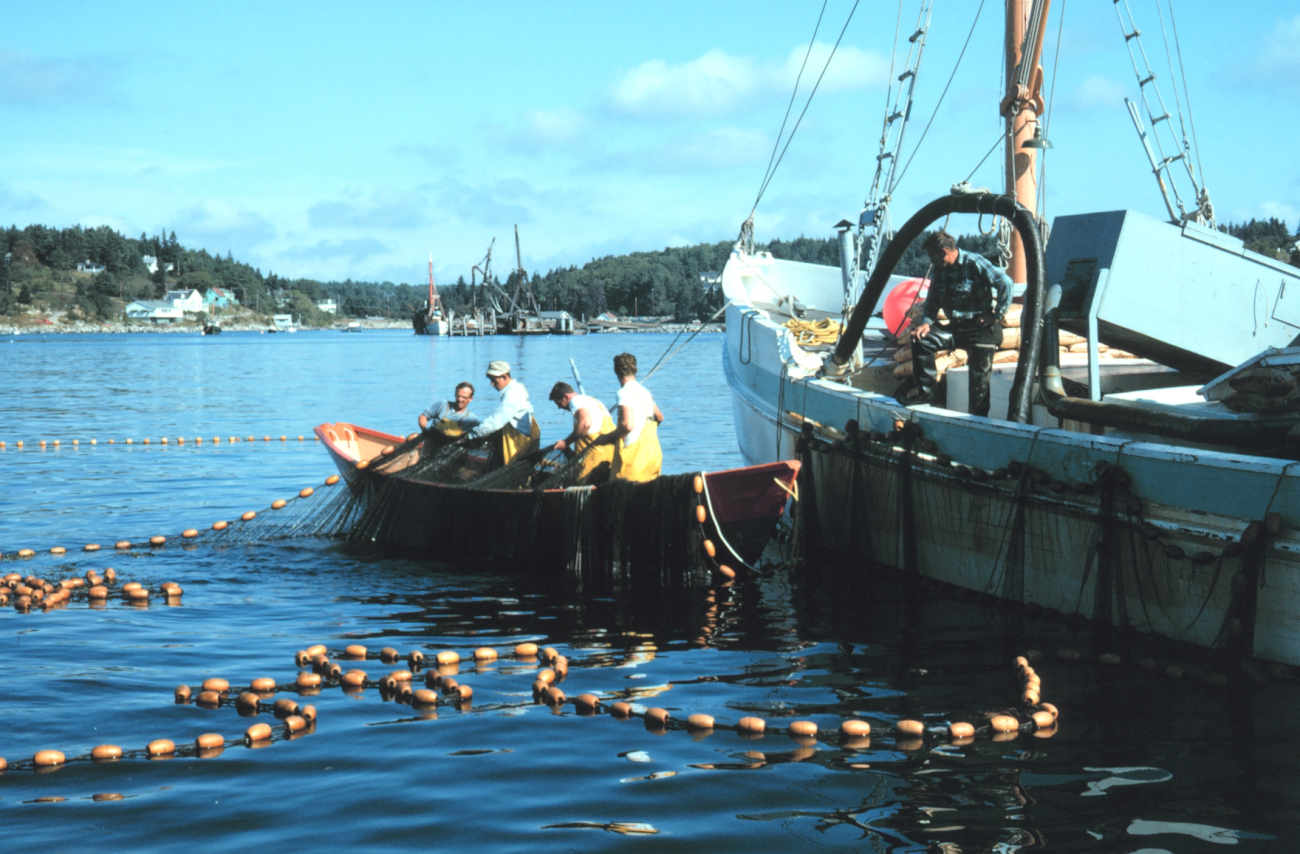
x=808 y=103
x=1047 y=126
x=1187 y=93
x=899 y=180
x=770 y=169
x=808 y=333
x=717 y=526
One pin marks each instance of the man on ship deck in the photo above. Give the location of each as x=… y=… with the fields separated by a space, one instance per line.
x=512 y=424
x=447 y=420
x=591 y=420
x=975 y=295
x=637 y=455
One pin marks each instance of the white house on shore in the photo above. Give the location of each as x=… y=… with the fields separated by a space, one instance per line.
x=190 y=300
x=155 y=311
x=328 y=306
x=89 y=267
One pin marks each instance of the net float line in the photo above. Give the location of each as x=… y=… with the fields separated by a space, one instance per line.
x=205 y=746
x=35 y=593
x=298 y=521
x=1248 y=670
x=162 y=441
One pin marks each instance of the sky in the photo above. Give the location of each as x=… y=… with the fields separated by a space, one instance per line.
x=349 y=140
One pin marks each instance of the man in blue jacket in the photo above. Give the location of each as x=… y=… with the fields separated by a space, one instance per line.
x=974 y=295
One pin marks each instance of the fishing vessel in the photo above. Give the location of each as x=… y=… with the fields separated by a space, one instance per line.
x=428 y=319
x=687 y=529
x=1159 y=493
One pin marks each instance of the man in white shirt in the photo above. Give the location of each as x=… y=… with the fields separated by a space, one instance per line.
x=591 y=420
x=637 y=455
x=516 y=430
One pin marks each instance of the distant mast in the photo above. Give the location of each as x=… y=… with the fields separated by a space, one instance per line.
x=1021 y=107
x=433 y=289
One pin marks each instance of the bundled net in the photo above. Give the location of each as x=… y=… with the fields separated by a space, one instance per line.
x=449 y=503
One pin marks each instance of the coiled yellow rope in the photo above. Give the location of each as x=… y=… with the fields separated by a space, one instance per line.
x=811 y=332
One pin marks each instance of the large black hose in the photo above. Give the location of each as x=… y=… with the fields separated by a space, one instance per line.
x=1031 y=332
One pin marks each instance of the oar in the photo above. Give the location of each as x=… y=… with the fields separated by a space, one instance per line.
x=577 y=378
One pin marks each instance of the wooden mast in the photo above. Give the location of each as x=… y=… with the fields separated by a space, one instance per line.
x=1021 y=107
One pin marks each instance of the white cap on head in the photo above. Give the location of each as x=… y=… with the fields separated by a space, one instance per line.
x=498 y=368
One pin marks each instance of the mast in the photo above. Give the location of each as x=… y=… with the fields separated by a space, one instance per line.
x=433 y=289
x=1022 y=105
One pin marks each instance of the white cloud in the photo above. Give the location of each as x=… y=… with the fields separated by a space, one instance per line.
x=1277 y=63
x=355 y=249
x=219 y=226
x=385 y=208
x=1096 y=93
x=46 y=81
x=721 y=148
x=718 y=83
x=538 y=130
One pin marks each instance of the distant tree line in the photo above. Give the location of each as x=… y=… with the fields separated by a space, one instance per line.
x=40 y=263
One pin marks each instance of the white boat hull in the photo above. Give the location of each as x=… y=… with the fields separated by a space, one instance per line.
x=1053 y=543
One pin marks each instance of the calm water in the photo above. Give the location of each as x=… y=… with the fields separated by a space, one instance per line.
x=1140 y=762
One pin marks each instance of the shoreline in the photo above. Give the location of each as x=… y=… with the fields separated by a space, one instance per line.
x=119 y=328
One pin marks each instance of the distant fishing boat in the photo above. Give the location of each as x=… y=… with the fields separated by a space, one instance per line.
x=684 y=520
x=429 y=319
x=1159 y=493
x=352 y=326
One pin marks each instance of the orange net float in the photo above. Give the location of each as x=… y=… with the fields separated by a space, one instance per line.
x=278 y=504
x=122 y=544
x=190 y=533
x=221 y=525
x=710 y=549
x=306 y=493
x=751 y=725
x=698 y=483
x=249 y=516
x=90 y=547
x=701 y=515
x=331 y=480
x=58 y=550
x=388 y=450
x=157 y=540
x=364 y=464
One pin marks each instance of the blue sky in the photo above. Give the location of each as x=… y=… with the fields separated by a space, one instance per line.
x=339 y=140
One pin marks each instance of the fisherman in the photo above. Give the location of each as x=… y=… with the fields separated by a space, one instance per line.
x=512 y=422
x=449 y=419
x=975 y=295
x=591 y=420
x=637 y=456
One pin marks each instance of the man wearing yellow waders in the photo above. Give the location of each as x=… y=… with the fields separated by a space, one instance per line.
x=637 y=456
x=449 y=419
x=591 y=420
x=512 y=422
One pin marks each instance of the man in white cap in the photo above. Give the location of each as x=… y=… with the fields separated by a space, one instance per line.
x=516 y=430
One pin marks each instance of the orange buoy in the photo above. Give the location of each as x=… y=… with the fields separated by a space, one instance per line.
x=58 y=550
x=387 y=450
x=364 y=464
x=586 y=702
x=106 y=752
x=252 y=438
x=548 y=654
x=752 y=725
x=182 y=693
x=526 y=650
x=855 y=728
x=295 y=723
x=48 y=758
x=485 y=653
x=249 y=516
x=354 y=678
x=401 y=675
x=209 y=740
x=157 y=540
x=546 y=675
x=190 y=533
x=415 y=659
x=308 y=714
x=99 y=591
x=698 y=483
x=961 y=729
x=110 y=574
x=306 y=493
x=710 y=549
x=146 y=441
x=726 y=571
x=1043 y=719
x=301 y=658
x=355 y=650
x=26 y=553
x=264 y=438
x=221 y=686
x=1004 y=723
x=42 y=443
x=257 y=732
x=278 y=504
x=247 y=703
x=701 y=515
x=208 y=699
x=658 y=717
x=140 y=594
x=308 y=680
x=284 y=707
x=1050 y=709
x=316 y=649
x=161 y=747
x=620 y=710
x=448 y=657
x=803 y=728
x=388 y=655
x=90 y=547
x=910 y=728
x=465 y=692
x=331 y=480
x=699 y=722
x=424 y=697
x=283 y=438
